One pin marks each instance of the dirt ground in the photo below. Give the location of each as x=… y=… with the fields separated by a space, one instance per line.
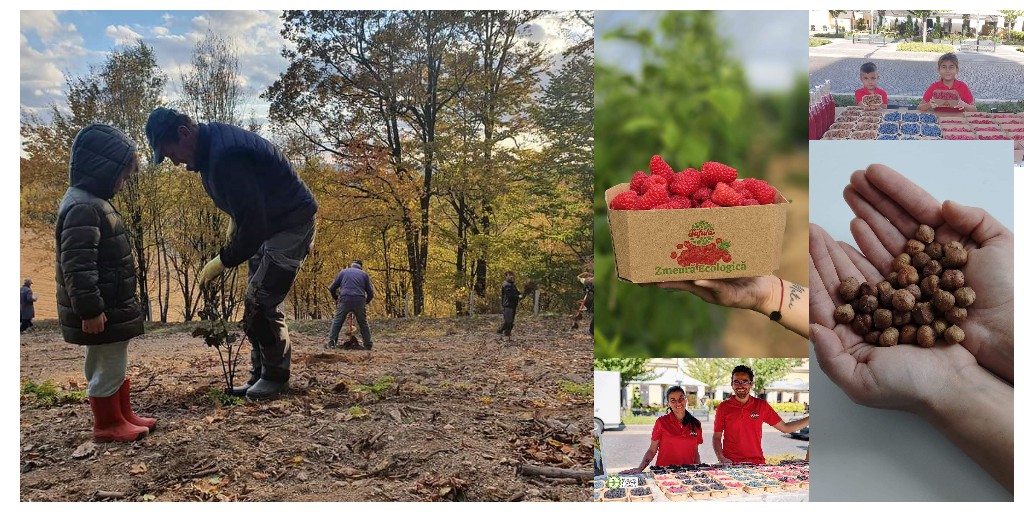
x=439 y=410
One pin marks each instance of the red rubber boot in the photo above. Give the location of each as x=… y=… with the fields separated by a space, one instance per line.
x=109 y=424
x=126 y=407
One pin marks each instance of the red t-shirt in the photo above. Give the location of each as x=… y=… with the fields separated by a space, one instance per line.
x=741 y=424
x=863 y=91
x=958 y=86
x=678 y=443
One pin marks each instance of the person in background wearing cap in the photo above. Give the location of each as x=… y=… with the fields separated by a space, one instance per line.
x=273 y=217
x=28 y=307
x=739 y=420
x=356 y=291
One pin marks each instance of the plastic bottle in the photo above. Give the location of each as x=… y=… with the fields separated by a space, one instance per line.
x=811 y=128
x=831 y=102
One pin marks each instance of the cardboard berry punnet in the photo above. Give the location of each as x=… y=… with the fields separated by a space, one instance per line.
x=687 y=244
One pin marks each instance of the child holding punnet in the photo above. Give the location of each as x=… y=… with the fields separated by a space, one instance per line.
x=949 y=67
x=96 y=300
x=869 y=77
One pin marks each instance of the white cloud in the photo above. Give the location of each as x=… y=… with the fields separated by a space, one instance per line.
x=121 y=34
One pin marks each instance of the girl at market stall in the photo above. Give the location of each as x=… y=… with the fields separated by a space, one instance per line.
x=675 y=436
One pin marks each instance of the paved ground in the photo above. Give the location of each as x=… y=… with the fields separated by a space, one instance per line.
x=991 y=76
x=624 y=449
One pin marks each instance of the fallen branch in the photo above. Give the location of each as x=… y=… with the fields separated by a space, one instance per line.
x=109 y=494
x=529 y=470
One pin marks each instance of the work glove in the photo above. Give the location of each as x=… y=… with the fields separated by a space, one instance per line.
x=212 y=269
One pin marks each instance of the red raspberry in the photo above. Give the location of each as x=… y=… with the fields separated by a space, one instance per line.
x=700 y=195
x=714 y=172
x=763 y=192
x=656 y=180
x=749 y=202
x=726 y=196
x=655 y=195
x=681 y=202
x=738 y=185
x=638 y=183
x=708 y=204
x=685 y=183
x=660 y=168
x=624 y=201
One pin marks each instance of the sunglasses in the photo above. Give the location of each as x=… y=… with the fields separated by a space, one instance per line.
x=741 y=383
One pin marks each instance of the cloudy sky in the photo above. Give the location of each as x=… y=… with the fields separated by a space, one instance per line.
x=770 y=44
x=55 y=44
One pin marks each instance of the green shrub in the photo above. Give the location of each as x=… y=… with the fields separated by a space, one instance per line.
x=47 y=394
x=573 y=388
x=223 y=398
x=830 y=35
x=788 y=407
x=924 y=47
x=819 y=42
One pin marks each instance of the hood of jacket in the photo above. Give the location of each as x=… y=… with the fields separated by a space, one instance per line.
x=99 y=154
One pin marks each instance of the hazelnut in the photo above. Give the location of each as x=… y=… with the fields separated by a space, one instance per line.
x=862 y=324
x=939 y=325
x=914 y=247
x=903 y=260
x=923 y=313
x=926 y=336
x=954 y=335
x=934 y=250
x=932 y=268
x=902 y=300
x=872 y=337
x=925 y=234
x=844 y=314
x=955 y=256
x=907 y=276
x=919 y=260
x=885 y=292
x=930 y=285
x=915 y=291
x=951 y=280
x=883 y=319
x=892 y=278
x=964 y=296
x=943 y=301
x=868 y=289
x=848 y=288
x=908 y=334
x=889 y=337
x=866 y=304
x=956 y=315
x=900 y=318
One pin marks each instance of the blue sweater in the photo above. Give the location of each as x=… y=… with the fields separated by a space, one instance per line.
x=353 y=282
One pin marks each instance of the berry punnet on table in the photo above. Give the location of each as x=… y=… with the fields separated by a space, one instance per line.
x=923 y=299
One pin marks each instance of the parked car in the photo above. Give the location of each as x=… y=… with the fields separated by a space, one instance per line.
x=803 y=434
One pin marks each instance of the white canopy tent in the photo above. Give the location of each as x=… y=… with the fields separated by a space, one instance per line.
x=665 y=378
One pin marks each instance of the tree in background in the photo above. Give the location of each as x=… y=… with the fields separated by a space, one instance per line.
x=630 y=369
x=766 y=370
x=713 y=372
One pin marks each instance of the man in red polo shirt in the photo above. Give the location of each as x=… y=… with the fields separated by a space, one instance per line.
x=739 y=419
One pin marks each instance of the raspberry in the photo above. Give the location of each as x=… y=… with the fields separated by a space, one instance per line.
x=714 y=172
x=700 y=195
x=624 y=201
x=708 y=204
x=739 y=185
x=660 y=168
x=750 y=202
x=763 y=192
x=656 y=180
x=639 y=182
x=681 y=202
x=668 y=205
x=655 y=195
x=726 y=196
x=685 y=183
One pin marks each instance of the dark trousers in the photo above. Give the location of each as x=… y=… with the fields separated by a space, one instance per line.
x=509 y=317
x=272 y=271
x=25 y=323
x=356 y=306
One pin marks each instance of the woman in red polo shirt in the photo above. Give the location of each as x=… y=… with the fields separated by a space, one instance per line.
x=675 y=436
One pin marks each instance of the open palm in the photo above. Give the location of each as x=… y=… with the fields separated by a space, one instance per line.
x=889 y=208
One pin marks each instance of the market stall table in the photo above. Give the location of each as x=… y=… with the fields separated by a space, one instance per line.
x=655 y=492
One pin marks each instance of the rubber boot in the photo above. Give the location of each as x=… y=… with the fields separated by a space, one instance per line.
x=109 y=424
x=126 y=408
x=266 y=390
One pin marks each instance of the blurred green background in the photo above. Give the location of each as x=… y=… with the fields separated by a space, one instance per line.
x=695 y=86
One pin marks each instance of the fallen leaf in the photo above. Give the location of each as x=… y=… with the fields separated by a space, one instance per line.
x=566 y=449
x=296 y=459
x=148 y=497
x=486 y=400
x=396 y=414
x=259 y=476
x=138 y=469
x=214 y=480
x=84 y=450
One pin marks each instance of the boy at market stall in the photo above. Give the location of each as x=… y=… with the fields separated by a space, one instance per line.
x=949 y=67
x=869 y=77
x=739 y=420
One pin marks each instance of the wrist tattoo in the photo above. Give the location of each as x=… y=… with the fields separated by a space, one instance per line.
x=794 y=293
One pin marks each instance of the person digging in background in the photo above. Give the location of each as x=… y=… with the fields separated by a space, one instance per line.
x=96 y=301
x=274 y=218
x=352 y=291
x=676 y=436
x=28 y=308
x=587 y=280
x=509 y=304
